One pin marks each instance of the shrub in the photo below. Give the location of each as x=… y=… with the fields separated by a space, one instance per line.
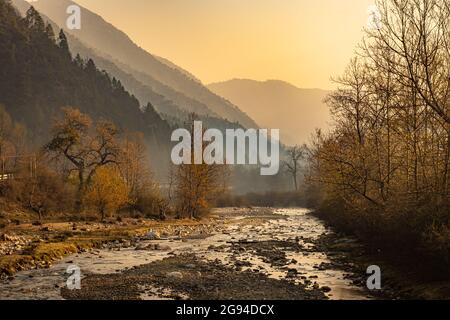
x=152 y=206
x=44 y=194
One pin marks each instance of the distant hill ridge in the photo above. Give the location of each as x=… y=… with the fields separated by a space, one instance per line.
x=278 y=104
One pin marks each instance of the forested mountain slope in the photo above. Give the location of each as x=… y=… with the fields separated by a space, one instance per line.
x=162 y=77
x=38 y=77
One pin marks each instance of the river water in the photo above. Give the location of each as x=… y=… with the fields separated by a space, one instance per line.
x=293 y=224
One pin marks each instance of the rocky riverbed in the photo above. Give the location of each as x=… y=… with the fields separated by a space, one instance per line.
x=245 y=254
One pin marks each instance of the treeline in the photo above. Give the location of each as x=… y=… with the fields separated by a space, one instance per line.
x=92 y=170
x=89 y=169
x=383 y=171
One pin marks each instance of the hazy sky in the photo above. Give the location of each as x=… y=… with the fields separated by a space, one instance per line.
x=300 y=41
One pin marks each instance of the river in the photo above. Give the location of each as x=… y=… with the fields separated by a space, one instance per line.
x=263 y=247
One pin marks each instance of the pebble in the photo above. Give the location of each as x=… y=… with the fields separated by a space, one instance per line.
x=175 y=275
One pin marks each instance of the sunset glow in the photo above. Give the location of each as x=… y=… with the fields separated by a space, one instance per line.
x=300 y=41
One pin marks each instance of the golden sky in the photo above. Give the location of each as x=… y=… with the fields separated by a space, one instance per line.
x=303 y=42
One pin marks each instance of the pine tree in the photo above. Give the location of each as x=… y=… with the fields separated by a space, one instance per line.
x=50 y=33
x=90 y=67
x=34 y=20
x=63 y=44
x=79 y=62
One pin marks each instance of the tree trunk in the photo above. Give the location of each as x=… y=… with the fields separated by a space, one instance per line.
x=80 y=191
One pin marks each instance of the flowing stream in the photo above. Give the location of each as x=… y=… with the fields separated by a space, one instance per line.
x=293 y=224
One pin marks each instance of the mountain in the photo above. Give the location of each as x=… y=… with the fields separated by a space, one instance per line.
x=277 y=104
x=165 y=79
x=143 y=93
x=38 y=76
x=174 y=66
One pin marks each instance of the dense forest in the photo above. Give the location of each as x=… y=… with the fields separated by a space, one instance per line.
x=383 y=172
x=39 y=76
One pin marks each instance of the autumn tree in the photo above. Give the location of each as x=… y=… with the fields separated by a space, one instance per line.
x=133 y=163
x=84 y=146
x=134 y=166
x=414 y=37
x=46 y=193
x=196 y=186
x=107 y=191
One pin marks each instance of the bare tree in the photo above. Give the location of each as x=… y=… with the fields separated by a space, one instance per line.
x=386 y=160
x=416 y=35
x=293 y=165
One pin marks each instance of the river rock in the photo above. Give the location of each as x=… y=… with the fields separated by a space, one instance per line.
x=175 y=275
x=292 y=273
x=163 y=248
x=153 y=247
x=151 y=235
x=140 y=247
x=325 y=289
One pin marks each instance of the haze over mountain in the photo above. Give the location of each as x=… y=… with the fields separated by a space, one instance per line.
x=176 y=88
x=278 y=104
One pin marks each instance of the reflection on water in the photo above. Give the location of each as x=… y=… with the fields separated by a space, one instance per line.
x=292 y=224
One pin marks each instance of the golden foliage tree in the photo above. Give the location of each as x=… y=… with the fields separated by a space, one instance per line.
x=107 y=191
x=133 y=163
x=196 y=187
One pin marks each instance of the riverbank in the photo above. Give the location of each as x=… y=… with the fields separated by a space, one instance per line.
x=403 y=276
x=29 y=246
